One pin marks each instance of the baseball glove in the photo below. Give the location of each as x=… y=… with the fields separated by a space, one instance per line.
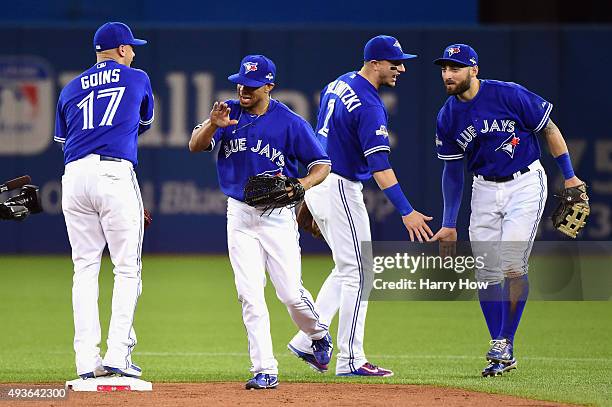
x=307 y=222
x=148 y=219
x=573 y=210
x=273 y=191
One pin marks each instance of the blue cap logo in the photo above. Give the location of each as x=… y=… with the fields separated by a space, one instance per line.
x=255 y=71
x=460 y=54
x=250 y=67
x=452 y=50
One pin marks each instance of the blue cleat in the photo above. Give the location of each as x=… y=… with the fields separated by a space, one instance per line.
x=262 y=381
x=369 y=370
x=501 y=351
x=493 y=369
x=309 y=359
x=497 y=369
x=322 y=349
x=132 y=371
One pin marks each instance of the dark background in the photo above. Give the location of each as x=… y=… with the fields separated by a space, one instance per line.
x=562 y=54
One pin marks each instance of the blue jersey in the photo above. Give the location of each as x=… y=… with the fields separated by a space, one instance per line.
x=495 y=131
x=272 y=143
x=103 y=110
x=352 y=125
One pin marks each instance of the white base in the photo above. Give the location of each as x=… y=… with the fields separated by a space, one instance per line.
x=109 y=383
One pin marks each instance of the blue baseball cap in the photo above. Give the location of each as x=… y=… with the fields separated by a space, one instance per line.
x=255 y=71
x=461 y=54
x=111 y=35
x=384 y=47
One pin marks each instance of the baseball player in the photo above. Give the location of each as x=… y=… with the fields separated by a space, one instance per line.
x=100 y=114
x=352 y=126
x=494 y=126
x=259 y=135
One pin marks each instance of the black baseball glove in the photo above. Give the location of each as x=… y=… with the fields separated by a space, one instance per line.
x=273 y=191
x=13 y=212
x=573 y=210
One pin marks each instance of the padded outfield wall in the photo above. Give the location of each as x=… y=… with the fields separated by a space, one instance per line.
x=188 y=69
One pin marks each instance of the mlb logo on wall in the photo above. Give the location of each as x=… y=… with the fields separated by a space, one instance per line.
x=250 y=67
x=26 y=106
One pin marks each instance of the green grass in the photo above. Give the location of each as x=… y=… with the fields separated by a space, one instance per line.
x=190 y=329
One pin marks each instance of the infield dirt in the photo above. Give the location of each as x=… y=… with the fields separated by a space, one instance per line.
x=297 y=394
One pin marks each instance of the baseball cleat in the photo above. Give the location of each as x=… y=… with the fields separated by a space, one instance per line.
x=309 y=359
x=493 y=369
x=501 y=351
x=369 y=370
x=322 y=349
x=262 y=381
x=509 y=366
x=132 y=371
x=497 y=369
x=98 y=372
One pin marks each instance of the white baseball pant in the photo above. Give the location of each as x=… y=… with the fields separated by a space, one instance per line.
x=257 y=243
x=504 y=222
x=338 y=208
x=102 y=205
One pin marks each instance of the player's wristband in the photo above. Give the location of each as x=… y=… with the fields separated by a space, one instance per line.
x=565 y=164
x=398 y=199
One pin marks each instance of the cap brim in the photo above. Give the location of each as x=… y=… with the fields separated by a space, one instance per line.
x=243 y=80
x=403 y=57
x=407 y=56
x=440 y=61
x=137 y=41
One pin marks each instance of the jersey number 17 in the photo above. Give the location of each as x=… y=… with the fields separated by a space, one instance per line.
x=87 y=106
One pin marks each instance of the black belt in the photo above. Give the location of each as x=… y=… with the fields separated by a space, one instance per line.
x=108 y=158
x=506 y=178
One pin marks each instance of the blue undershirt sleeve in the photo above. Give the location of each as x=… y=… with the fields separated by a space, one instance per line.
x=378 y=161
x=452 y=190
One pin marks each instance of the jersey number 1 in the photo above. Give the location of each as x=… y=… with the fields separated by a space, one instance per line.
x=330 y=110
x=86 y=104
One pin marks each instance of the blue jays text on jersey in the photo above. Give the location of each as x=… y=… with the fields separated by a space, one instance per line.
x=352 y=125
x=96 y=112
x=495 y=131
x=272 y=143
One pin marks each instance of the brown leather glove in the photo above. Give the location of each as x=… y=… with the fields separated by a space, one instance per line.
x=573 y=210
x=307 y=222
x=147 y=218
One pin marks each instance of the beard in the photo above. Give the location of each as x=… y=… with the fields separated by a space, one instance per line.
x=389 y=84
x=460 y=87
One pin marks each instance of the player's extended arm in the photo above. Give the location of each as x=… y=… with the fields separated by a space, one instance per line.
x=558 y=149
x=202 y=135
x=452 y=189
x=414 y=221
x=316 y=175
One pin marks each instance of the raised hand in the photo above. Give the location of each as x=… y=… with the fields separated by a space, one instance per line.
x=219 y=115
